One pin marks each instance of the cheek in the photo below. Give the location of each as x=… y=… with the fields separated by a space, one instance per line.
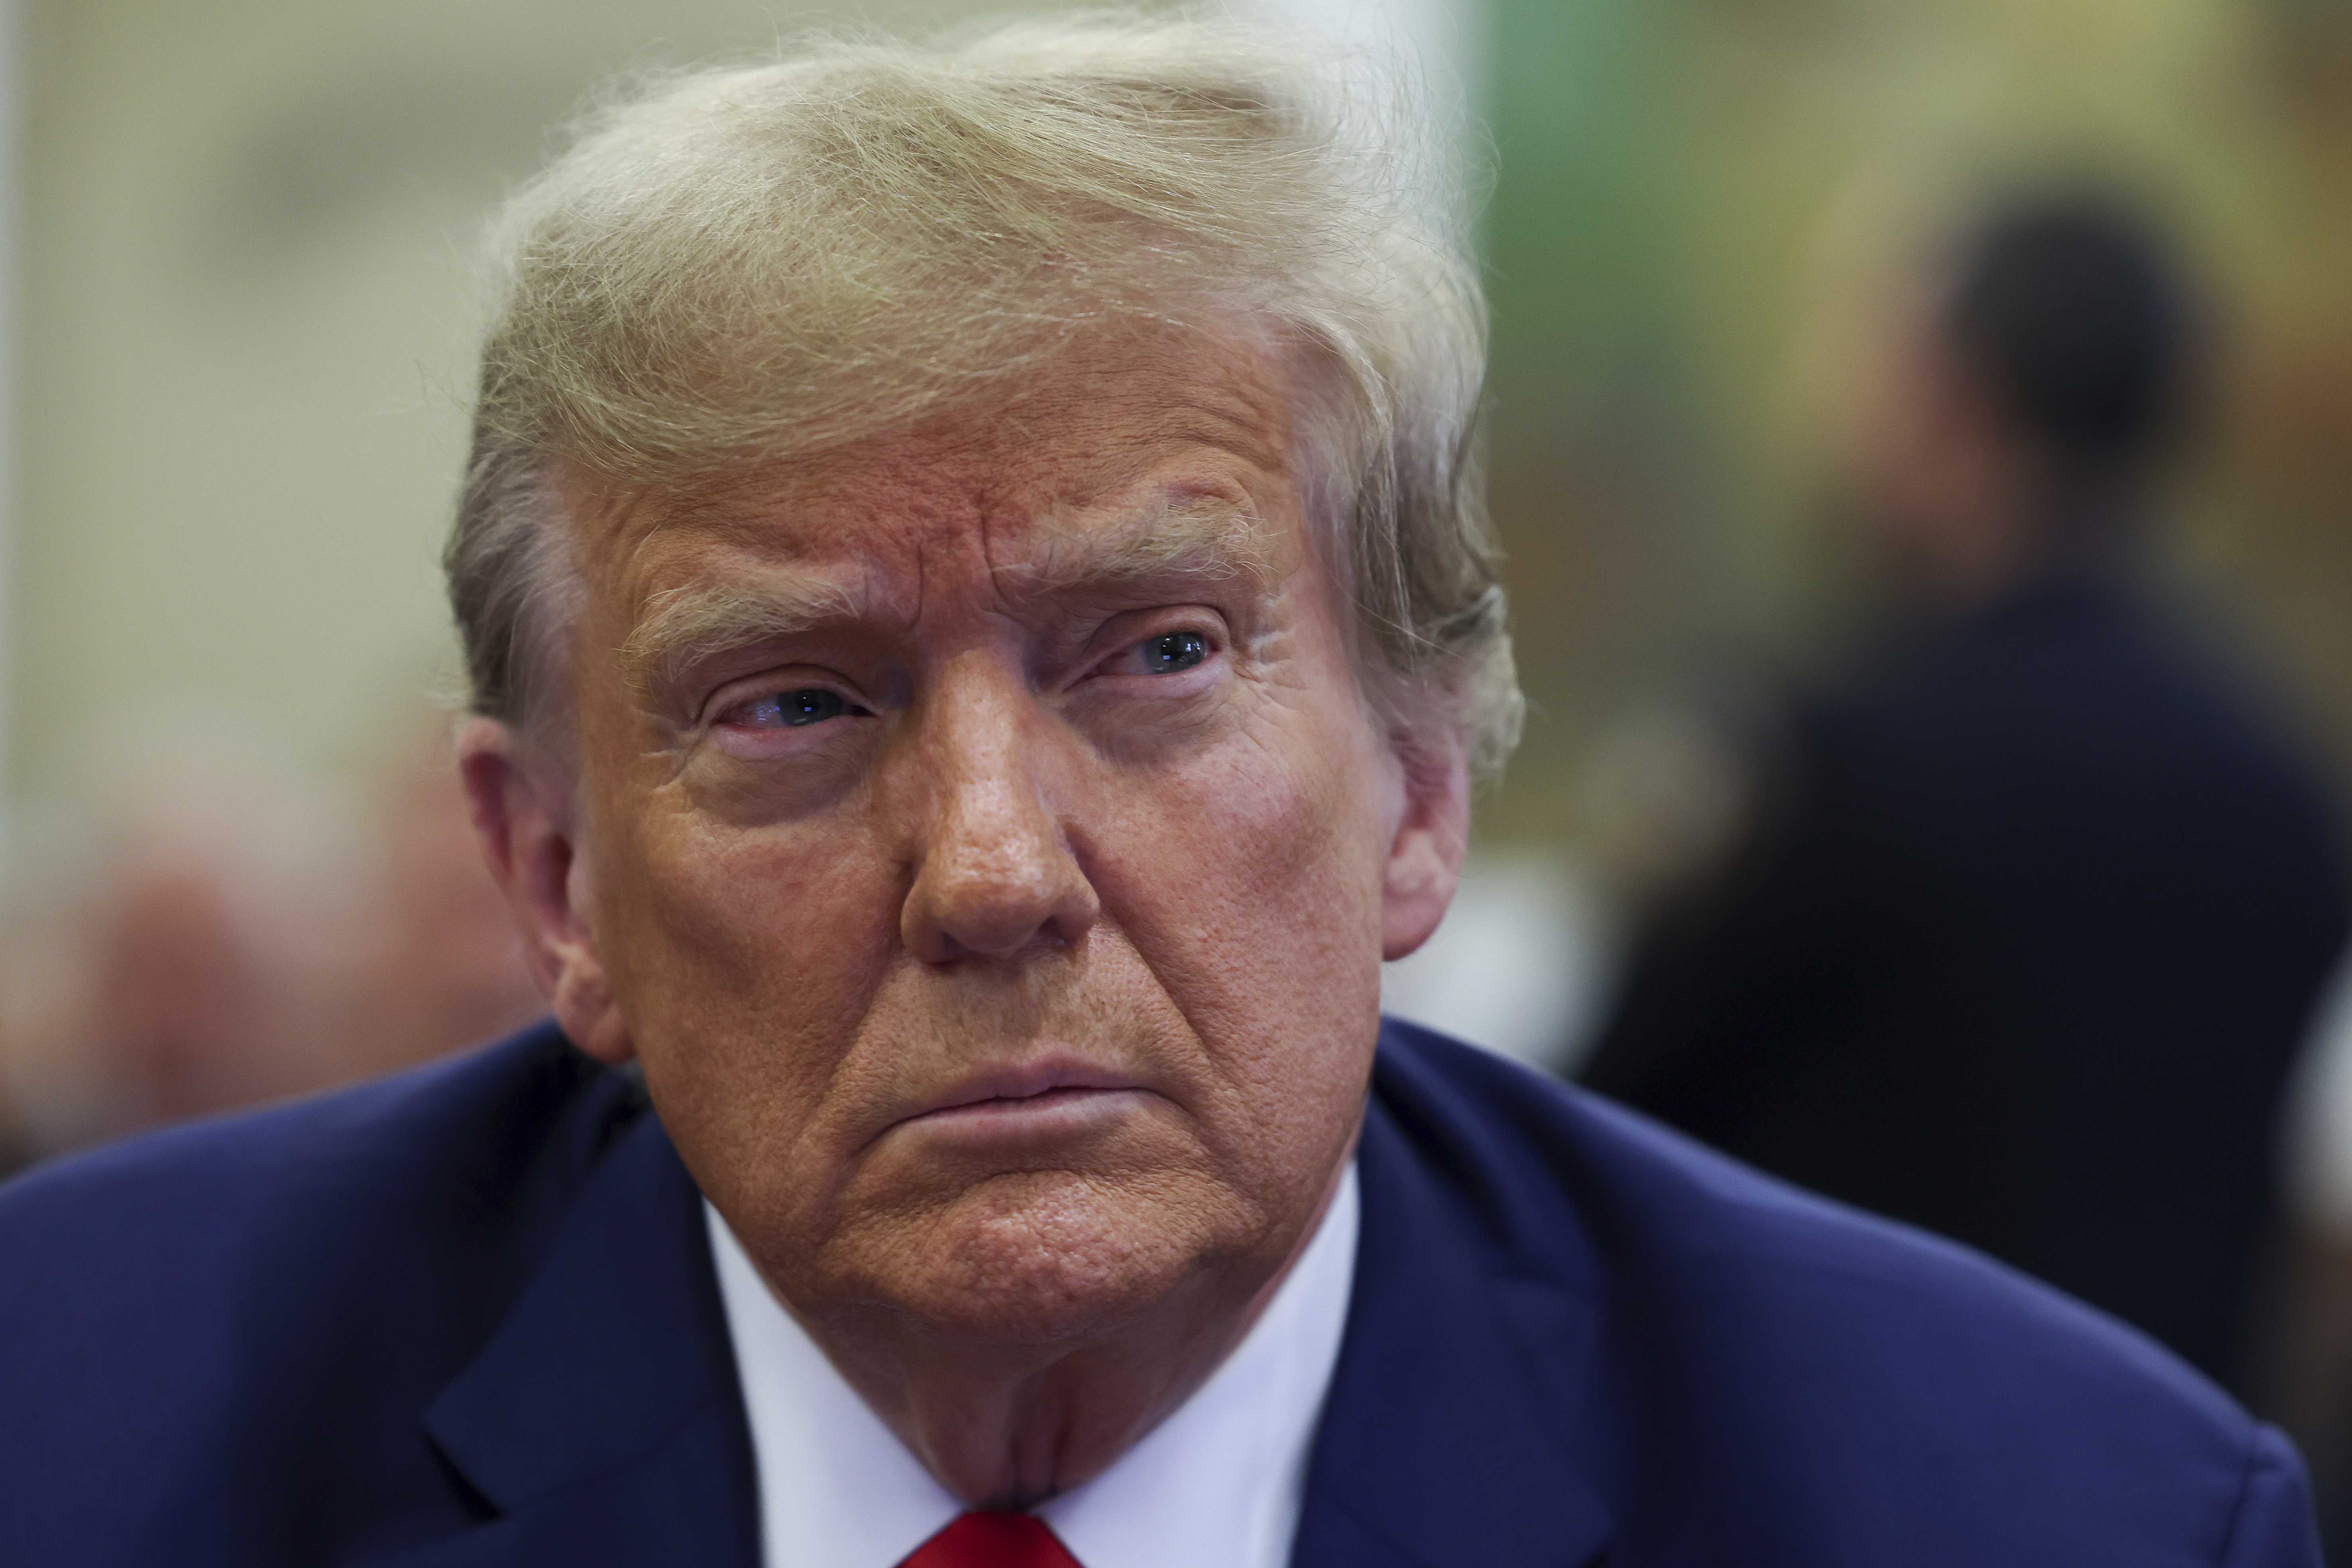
x=1252 y=888
x=742 y=961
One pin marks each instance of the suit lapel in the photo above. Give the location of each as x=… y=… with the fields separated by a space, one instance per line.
x=603 y=1423
x=1453 y=1430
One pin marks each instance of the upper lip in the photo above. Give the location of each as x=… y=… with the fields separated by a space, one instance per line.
x=1022 y=1080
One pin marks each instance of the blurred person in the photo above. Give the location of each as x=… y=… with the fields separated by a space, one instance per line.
x=242 y=938
x=439 y=964
x=180 y=1001
x=980 y=638
x=2033 y=910
x=192 y=959
x=15 y=1132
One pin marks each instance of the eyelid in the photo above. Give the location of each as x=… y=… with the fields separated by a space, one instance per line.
x=747 y=690
x=1126 y=631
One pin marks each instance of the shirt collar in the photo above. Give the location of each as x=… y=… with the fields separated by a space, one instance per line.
x=1217 y=1481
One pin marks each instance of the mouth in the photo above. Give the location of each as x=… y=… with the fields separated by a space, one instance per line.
x=1027 y=1101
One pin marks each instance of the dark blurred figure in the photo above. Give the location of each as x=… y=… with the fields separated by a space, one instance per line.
x=2032 y=914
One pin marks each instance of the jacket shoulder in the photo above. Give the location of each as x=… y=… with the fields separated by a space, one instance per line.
x=312 y=1268
x=519 y=1112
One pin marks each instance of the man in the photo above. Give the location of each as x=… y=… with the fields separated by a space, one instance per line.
x=2038 y=910
x=980 y=635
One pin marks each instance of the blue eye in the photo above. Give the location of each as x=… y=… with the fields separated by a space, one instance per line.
x=791 y=710
x=1171 y=651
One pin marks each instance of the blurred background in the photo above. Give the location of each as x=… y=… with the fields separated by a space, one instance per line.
x=1722 y=238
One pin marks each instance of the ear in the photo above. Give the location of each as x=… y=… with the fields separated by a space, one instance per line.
x=1424 y=862
x=524 y=816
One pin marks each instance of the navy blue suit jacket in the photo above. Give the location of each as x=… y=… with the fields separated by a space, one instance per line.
x=467 y=1316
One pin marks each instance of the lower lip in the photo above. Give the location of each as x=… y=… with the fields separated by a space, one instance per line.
x=1055 y=1111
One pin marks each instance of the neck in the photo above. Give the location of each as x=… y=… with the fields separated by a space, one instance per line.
x=2015 y=536
x=1011 y=1422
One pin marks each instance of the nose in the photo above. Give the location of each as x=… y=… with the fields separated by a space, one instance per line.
x=994 y=872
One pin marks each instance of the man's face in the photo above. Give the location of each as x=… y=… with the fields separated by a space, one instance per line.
x=984 y=844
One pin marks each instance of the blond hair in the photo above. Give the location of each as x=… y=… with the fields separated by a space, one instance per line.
x=756 y=263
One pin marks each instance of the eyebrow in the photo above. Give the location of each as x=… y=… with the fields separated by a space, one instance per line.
x=683 y=624
x=1203 y=539
x=1198 y=537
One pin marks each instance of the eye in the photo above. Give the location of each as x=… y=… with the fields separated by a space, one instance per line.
x=791 y=710
x=1171 y=651
x=1163 y=653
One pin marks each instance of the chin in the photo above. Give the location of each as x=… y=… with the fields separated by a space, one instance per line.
x=1051 y=1255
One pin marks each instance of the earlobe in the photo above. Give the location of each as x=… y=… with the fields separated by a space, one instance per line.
x=583 y=1004
x=1424 y=860
x=525 y=829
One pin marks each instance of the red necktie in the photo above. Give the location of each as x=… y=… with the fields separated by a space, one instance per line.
x=992 y=1541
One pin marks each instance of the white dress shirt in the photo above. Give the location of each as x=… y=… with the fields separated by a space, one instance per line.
x=1216 y=1482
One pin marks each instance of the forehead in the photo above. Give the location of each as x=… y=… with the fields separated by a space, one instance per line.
x=1132 y=432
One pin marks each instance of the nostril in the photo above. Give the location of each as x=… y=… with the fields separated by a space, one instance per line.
x=994 y=871
x=989 y=917
x=997 y=906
